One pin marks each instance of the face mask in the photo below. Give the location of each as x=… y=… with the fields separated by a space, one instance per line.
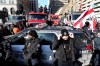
x=65 y=38
x=27 y=37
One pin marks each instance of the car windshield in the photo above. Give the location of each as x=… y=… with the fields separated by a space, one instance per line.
x=20 y=34
x=34 y=24
x=37 y=16
x=16 y=17
x=46 y=38
x=74 y=16
x=54 y=18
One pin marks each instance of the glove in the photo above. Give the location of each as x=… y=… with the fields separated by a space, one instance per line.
x=71 y=35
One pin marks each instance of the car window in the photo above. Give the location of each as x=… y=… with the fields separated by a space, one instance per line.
x=46 y=38
x=37 y=16
x=20 y=17
x=82 y=37
x=22 y=33
x=19 y=41
x=16 y=17
x=81 y=40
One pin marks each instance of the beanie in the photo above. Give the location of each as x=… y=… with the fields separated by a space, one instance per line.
x=33 y=33
x=64 y=32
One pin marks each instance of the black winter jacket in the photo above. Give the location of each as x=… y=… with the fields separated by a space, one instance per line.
x=30 y=52
x=61 y=53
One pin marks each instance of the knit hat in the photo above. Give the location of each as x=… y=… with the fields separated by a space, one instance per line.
x=64 y=32
x=87 y=23
x=33 y=33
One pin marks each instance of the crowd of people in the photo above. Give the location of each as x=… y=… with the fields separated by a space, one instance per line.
x=43 y=9
x=65 y=46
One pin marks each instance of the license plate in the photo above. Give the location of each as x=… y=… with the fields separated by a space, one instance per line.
x=84 y=51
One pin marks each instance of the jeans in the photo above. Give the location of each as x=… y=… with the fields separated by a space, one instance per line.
x=96 y=52
x=28 y=62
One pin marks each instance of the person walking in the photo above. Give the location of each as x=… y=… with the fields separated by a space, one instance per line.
x=64 y=47
x=96 y=50
x=41 y=9
x=31 y=48
x=45 y=9
x=1 y=34
x=86 y=30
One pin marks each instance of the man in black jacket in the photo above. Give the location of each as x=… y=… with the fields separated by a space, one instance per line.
x=64 y=49
x=31 y=47
x=96 y=50
x=86 y=30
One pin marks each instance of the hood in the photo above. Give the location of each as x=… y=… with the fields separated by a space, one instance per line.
x=6 y=37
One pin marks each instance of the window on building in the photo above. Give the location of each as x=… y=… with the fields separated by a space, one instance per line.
x=97 y=7
x=96 y=11
x=35 y=6
x=2 y=1
x=12 y=10
x=68 y=1
x=32 y=7
x=9 y=1
x=12 y=1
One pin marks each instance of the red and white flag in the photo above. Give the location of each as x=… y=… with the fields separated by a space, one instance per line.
x=94 y=25
x=79 y=23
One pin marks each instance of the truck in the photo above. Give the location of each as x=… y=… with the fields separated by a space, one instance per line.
x=73 y=16
x=55 y=19
x=35 y=18
x=16 y=19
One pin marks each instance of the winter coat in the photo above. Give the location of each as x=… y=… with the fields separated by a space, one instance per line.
x=97 y=43
x=61 y=53
x=31 y=51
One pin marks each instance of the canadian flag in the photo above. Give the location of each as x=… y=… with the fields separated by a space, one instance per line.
x=79 y=23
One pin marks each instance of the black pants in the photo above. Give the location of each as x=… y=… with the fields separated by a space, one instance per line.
x=96 y=52
x=28 y=62
x=61 y=63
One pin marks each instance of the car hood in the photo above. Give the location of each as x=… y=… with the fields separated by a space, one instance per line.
x=6 y=37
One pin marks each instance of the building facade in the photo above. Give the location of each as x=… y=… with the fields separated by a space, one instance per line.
x=79 y=5
x=55 y=5
x=85 y=4
x=11 y=6
x=34 y=5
